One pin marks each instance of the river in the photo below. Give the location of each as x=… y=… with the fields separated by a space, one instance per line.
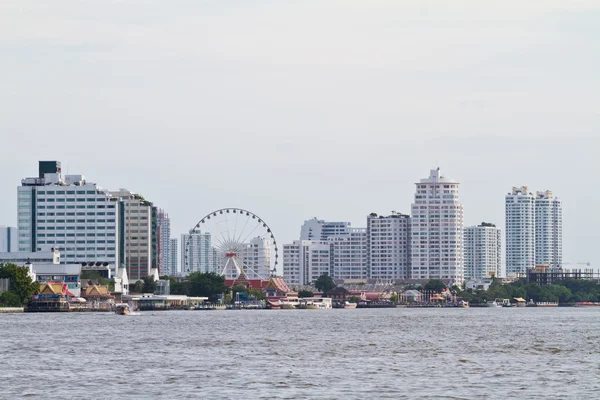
x=489 y=353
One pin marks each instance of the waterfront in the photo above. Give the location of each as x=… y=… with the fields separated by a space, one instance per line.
x=491 y=353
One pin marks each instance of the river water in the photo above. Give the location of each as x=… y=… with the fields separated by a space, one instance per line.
x=491 y=353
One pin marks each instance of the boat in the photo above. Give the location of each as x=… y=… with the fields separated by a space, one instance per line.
x=492 y=304
x=350 y=305
x=463 y=303
x=122 y=309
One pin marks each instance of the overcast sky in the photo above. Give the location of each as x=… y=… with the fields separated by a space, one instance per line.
x=296 y=109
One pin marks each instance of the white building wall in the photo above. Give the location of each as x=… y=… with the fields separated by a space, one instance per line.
x=520 y=230
x=316 y=229
x=71 y=214
x=388 y=246
x=548 y=229
x=483 y=252
x=349 y=254
x=201 y=254
x=172 y=265
x=437 y=249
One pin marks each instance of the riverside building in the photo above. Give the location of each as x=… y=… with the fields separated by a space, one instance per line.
x=136 y=234
x=520 y=230
x=548 y=230
x=437 y=249
x=69 y=213
x=305 y=260
x=483 y=251
x=388 y=246
x=349 y=254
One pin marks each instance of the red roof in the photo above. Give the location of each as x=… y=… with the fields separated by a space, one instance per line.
x=256 y=284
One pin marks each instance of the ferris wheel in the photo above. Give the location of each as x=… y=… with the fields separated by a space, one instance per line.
x=231 y=241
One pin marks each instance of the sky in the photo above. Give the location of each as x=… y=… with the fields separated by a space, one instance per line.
x=301 y=109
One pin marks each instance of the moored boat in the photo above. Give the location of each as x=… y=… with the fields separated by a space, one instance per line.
x=350 y=305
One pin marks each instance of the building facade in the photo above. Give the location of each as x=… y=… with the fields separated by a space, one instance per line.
x=135 y=234
x=520 y=230
x=388 y=246
x=163 y=223
x=349 y=254
x=201 y=255
x=317 y=229
x=483 y=251
x=172 y=267
x=69 y=213
x=9 y=239
x=437 y=248
x=305 y=260
x=548 y=230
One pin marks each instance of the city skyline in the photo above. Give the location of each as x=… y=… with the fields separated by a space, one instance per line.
x=141 y=99
x=343 y=225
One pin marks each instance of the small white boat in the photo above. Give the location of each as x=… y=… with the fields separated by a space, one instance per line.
x=349 y=305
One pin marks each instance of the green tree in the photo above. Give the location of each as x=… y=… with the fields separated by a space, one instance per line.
x=305 y=293
x=353 y=299
x=149 y=285
x=10 y=299
x=393 y=298
x=139 y=287
x=209 y=285
x=324 y=283
x=436 y=285
x=20 y=281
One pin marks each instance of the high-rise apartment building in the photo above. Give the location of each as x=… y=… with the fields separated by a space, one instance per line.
x=437 y=230
x=163 y=225
x=317 y=229
x=349 y=254
x=201 y=255
x=388 y=246
x=256 y=260
x=325 y=247
x=305 y=260
x=9 y=239
x=172 y=267
x=548 y=229
x=520 y=230
x=69 y=213
x=483 y=251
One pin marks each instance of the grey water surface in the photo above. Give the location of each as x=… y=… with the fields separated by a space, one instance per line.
x=490 y=353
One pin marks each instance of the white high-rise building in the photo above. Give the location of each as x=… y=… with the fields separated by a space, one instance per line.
x=201 y=254
x=69 y=213
x=172 y=268
x=305 y=260
x=256 y=260
x=520 y=230
x=483 y=251
x=548 y=229
x=163 y=223
x=9 y=239
x=349 y=254
x=388 y=246
x=437 y=230
x=317 y=229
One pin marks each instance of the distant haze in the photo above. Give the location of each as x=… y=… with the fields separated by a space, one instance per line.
x=293 y=110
